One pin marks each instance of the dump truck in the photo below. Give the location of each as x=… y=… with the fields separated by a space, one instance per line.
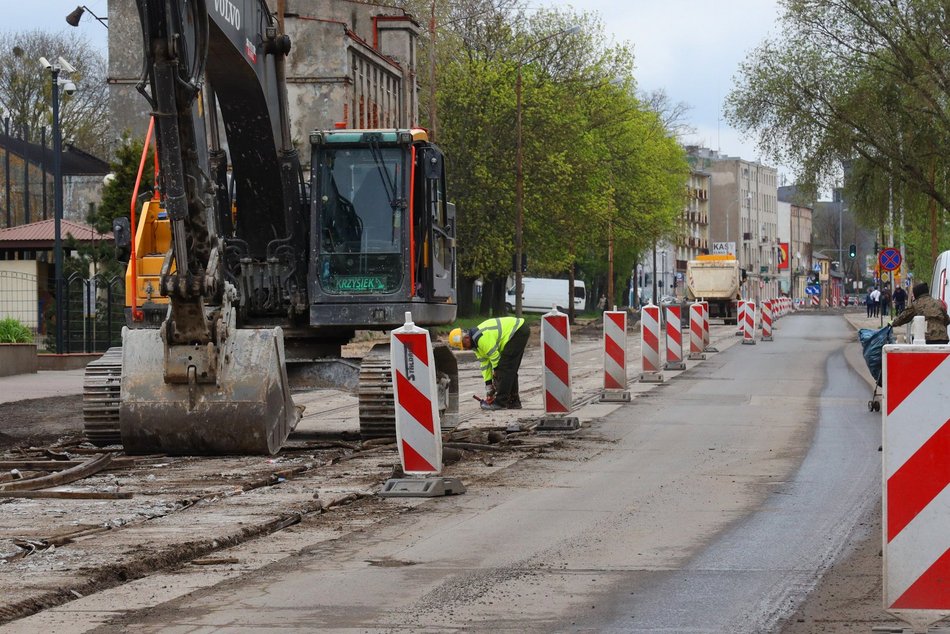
x=715 y=279
x=243 y=270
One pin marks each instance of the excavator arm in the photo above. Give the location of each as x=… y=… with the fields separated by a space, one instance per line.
x=205 y=382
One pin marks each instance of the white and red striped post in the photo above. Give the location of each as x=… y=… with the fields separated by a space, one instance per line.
x=706 y=337
x=674 y=339
x=650 y=344
x=615 y=356
x=556 y=378
x=767 y=319
x=740 y=317
x=418 y=427
x=748 y=324
x=916 y=438
x=815 y=300
x=696 y=346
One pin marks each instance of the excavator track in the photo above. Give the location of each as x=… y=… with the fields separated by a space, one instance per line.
x=101 y=388
x=377 y=400
x=376 y=397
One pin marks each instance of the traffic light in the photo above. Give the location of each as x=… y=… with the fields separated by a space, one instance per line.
x=852 y=251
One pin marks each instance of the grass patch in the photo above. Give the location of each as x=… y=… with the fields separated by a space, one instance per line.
x=12 y=331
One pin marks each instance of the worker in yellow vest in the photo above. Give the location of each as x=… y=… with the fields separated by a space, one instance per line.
x=499 y=345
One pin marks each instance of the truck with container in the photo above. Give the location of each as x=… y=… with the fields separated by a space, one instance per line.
x=715 y=279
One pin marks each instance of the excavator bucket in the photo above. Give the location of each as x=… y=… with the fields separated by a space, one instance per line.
x=247 y=409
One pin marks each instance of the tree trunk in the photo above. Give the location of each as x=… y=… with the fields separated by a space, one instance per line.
x=484 y=308
x=570 y=295
x=465 y=297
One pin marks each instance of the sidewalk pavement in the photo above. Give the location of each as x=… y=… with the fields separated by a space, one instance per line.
x=43 y=384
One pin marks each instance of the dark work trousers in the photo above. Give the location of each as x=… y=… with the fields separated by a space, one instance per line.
x=506 y=374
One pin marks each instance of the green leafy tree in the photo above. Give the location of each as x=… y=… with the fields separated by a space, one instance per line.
x=863 y=83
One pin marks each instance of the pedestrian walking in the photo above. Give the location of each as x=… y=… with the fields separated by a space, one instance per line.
x=886 y=302
x=931 y=309
x=869 y=304
x=499 y=345
x=875 y=301
x=900 y=300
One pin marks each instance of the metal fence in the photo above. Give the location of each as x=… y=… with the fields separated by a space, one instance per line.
x=20 y=299
x=94 y=313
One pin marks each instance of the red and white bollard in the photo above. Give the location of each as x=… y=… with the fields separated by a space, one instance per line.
x=706 y=338
x=696 y=346
x=650 y=344
x=767 y=320
x=556 y=378
x=418 y=426
x=615 y=356
x=674 y=339
x=916 y=383
x=740 y=317
x=748 y=324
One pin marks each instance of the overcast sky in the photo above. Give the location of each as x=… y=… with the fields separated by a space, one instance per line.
x=690 y=48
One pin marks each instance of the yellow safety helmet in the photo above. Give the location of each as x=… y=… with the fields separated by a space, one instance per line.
x=455 y=339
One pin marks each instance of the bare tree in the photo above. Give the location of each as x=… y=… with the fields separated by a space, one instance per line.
x=672 y=115
x=26 y=87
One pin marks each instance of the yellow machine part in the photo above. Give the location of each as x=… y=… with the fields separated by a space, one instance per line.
x=153 y=238
x=716 y=257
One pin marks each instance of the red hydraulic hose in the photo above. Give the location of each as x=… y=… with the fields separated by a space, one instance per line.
x=138 y=315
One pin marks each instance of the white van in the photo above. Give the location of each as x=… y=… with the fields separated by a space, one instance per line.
x=541 y=294
x=938 y=286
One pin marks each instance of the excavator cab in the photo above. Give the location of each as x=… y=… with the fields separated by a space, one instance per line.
x=383 y=232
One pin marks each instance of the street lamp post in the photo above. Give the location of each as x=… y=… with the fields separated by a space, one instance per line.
x=519 y=171
x=663 y=285
x=58 y=208
x=55 y=71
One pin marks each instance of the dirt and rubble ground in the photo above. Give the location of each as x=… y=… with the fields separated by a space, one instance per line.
x=185 y=511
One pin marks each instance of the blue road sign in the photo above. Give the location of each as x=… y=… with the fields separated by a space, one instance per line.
x=813 y=290
x=890 y=259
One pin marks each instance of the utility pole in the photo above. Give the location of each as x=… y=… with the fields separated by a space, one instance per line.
x=433 y=115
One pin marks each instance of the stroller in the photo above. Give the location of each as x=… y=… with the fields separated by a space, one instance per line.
x=872 y=342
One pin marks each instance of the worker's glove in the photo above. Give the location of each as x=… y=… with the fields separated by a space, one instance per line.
x=490 y=389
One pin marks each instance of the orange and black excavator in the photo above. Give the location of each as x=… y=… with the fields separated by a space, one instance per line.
x=242 y=279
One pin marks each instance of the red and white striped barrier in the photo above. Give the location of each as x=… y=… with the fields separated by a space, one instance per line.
x=696 y=345
x=418 y=427
x=767 y=319
x=916 y=447
x=740 y=317
x=674 y=339
x=650 y=343
x=815 y=300
x=748 y=324
x=615 y=356
x=556 y=355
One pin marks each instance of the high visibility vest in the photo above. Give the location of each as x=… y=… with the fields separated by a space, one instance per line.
x=490 y=339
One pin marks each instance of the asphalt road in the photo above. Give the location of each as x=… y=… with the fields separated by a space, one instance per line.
x=712 y=504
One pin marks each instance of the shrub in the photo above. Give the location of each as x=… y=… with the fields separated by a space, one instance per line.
x=12 y=331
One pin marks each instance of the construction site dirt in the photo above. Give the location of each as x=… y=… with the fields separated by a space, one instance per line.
x=154 y=515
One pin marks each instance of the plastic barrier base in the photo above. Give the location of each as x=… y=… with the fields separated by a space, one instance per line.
x=651 y=377
x=710 y=349
x=674 y=366
x=615 y=396
x=558 y=423
x=430 y=487
x=698 y=356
